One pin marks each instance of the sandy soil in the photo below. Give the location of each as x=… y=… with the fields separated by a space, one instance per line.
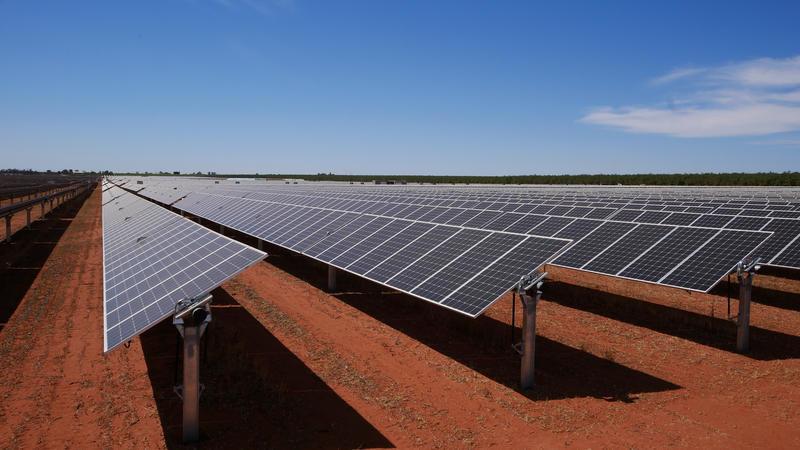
x=288 y=365
x=57 y=389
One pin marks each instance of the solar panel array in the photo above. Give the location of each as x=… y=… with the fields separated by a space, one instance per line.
x=464 y=247
x=153 y=258
x=773 y=211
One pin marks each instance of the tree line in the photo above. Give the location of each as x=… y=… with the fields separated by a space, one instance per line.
x=672 y=179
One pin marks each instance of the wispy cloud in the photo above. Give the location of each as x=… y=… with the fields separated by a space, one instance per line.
x=749 y=98
x=263 y=7
x=678 y=74
x=779 y=142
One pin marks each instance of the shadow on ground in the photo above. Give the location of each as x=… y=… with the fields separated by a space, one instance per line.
x=258 y=393
x=482 y=344
x=762 y=294
x=23 y=258
x=714 y=332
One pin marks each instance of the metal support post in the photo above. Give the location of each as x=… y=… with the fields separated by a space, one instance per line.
x=331 y=278
x=28 y=218
x=261 y=245
x=222 y=229
x=43 y=210
x=530 y=291
x=191 y=318
x=8 y=228
x=745 y=272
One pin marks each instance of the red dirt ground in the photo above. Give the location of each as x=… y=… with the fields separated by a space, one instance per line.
x=291 y=366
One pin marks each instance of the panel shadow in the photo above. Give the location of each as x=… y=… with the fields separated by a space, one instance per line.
x=714 y=332
x=258 y=393
x=762 y=294
x=23 y=258
x=482 y=344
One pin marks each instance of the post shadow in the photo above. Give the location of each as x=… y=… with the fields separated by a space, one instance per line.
x=258 y=394
x=23 y=258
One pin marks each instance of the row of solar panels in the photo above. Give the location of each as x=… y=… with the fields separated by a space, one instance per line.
x=782 y=246
x=455 y=267
x=460 y=258
x=653 y=213
x=505 y=202
x=696 y=257
x=737 y=196
x=153 y=258
x=693 y=258
x=781 y=249
x=435 y=197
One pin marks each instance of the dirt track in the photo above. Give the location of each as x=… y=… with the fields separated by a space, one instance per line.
x=290 y=366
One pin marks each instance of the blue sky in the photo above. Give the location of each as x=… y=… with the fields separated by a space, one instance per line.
x=413 y=87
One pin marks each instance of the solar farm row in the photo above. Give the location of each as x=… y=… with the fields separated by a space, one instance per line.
x=153 y=258
x=781 y=249
x=464 y=255
x=757 y=203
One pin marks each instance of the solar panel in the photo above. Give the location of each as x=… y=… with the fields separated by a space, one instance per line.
x=411 y=252
x=629 y=247
x=493 y=281
x=785 y=231
x=790 y=255
x=748 y=223
x=655 y=263
x=627 y=214
x=652 y=217
x=591 y=245
x=679 y=218
x=526 y=224
x=703 y=269
x=712 y=221
x=153 y=258
x=551 y=226
x=454 y=274
x=394 y=243
x=578 y=229
x=436 y=258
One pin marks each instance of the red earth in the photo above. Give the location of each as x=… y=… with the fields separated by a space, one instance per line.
x=288 y=365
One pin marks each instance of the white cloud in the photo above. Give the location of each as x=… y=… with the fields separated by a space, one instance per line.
x=764 y=72
x=749 y=98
